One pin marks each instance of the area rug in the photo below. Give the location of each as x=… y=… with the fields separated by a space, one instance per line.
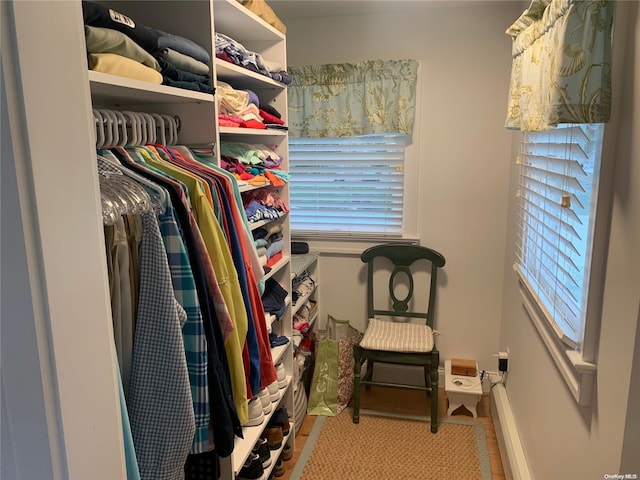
x=385 y=446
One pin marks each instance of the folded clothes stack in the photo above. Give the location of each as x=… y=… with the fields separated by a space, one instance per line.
x=255 y=164
x=240 y=108
x=232 y=51
x=119 y=45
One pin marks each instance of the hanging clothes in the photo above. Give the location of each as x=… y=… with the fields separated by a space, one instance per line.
x=224 y=419
x=226 y=274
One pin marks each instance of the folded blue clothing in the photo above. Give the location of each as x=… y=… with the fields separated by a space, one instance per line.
x=195 y=86
x=169 y=70
x=276 y=341
x=182 y=45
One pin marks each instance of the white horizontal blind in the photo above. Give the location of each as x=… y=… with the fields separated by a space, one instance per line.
x=558 y=184
x=347 y=186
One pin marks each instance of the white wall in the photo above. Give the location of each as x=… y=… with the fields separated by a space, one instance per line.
x=466 y=185
x=462 y=148
x=560 y=439
x=60 y=407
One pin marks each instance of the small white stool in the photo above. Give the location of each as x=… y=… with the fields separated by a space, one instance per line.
x=462 y=390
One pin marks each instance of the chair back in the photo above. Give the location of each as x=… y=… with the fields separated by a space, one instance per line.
x=402 y=257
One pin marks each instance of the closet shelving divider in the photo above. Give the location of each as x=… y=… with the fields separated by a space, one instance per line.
x=235 y=21
x=199 y=20
x=300 y=263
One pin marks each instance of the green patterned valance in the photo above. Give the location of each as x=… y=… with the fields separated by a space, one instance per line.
x=346 y=99
x=561 y=70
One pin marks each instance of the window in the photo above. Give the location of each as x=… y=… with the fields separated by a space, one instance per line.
x=558 y=192
x=348 y=186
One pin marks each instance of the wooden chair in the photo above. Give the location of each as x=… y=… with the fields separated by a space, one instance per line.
x=398 y=340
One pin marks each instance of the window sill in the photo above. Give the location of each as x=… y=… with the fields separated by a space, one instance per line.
x=578 y=374
x=346 y=246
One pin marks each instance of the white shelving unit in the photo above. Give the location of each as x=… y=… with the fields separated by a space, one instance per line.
x=74 y=426
x=199 y=21
x=233 y=20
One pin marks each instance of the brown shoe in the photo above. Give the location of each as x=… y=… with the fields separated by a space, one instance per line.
x=280 y=419
x=274 y=437
x=287 y=453
x=278 y=469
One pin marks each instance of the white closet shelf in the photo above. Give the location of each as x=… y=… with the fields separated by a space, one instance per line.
x=248 y=187
x=243 y=446
x=253 y=132
x=241 y=24
x=126 y=91
x=240 y=77
x=260 y=223
x=302 y=301
x=301 y=261
x=314 y=317
x=271 y=318
x=279 y=265
x=278 y=352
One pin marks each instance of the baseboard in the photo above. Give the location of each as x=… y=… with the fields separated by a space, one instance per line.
x=410 y=375
x=514 y=461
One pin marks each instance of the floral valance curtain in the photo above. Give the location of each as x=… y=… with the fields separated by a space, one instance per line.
x=338 y=100
x=561 y=70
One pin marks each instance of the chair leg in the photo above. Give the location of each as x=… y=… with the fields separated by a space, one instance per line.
x=369 y=375
x=357 y=366
x=427 y=380
x=433 y=368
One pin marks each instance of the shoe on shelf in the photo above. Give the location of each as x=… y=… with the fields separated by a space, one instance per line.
x=274 y=437
x=278 y=469
x=282 y=375
x=274 y=391
x=280 y=419
x=252 y=468
x=265 y=399
x=261 y=448
x=256 y=415
x=287 y=453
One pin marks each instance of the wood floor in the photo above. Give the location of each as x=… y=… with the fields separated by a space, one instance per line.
x=412 y=403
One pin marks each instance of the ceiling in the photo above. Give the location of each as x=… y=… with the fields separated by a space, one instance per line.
x=292 y=9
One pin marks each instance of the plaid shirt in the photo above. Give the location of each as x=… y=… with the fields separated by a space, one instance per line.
x=195 y=343
x=159 y=401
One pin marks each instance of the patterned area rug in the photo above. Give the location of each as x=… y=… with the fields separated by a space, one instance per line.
x=382 y=446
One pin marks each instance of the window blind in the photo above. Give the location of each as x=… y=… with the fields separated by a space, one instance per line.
x=347 y=186
x=559 y=172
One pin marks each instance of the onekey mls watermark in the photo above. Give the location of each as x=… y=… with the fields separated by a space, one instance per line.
x=621 y=476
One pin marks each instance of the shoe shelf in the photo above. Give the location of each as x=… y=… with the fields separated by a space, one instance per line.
x=301 y=262
x=303 y=300
x=243 y=446
x=278 y=352
x=275 y=454
x=314 y=317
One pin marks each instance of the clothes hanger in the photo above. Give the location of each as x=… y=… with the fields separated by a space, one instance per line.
x=149 y=125
x=111 y=132
x=133 y=128
x=99 y=128
x=171 y=129
x=161 y=137
x=121 y=127
x=157 y=194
